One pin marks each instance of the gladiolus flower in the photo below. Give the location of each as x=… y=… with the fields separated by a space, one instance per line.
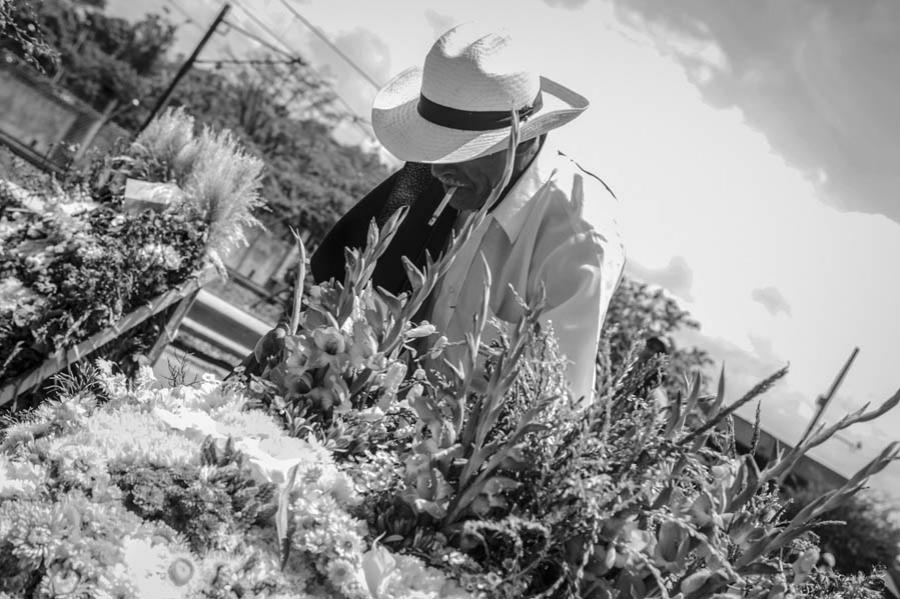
x=423 y=330
x=330 y=340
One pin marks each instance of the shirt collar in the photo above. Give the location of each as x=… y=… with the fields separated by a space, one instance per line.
x=510 y=213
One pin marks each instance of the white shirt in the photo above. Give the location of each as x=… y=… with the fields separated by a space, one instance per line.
x=557 y=227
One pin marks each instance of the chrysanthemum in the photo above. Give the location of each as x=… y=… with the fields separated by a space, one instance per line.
x=133 y=436
x=340 y=571
x=347 y=543
x=19 y=478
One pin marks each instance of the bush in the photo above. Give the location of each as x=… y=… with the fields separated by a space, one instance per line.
x=19 y=34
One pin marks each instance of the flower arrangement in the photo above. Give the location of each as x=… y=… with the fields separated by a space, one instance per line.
x=488 y=470
x=182 y=492
x=76 y=256
x=372 y=458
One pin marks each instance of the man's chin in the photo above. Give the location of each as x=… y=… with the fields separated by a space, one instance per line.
x=465 y=200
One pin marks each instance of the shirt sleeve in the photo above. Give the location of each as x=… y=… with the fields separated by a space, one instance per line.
x=581 y=259
x=573 y=276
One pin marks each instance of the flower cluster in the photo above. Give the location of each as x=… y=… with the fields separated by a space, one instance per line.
x=76 y=256
x=181 y=492
x=343 y=373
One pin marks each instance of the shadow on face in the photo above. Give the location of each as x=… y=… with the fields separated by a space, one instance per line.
x=474 y=179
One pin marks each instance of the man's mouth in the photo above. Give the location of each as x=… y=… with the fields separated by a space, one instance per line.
x=449 y=182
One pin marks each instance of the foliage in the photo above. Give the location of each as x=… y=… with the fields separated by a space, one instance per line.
x=283 y=114
x=19 y=34
x=219 y=180
x=311 y=179
x=181 y=493
x=486 y=467
x=637 y=312
x=101 y=58
x=862 y=534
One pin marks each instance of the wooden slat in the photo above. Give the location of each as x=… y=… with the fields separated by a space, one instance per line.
x=63 y=358
x=171 y=329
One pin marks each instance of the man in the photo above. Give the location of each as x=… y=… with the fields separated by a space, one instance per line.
x=552 y=229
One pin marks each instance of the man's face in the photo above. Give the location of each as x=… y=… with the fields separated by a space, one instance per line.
x=475 y=179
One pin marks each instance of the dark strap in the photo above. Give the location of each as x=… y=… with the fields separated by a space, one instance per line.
x=473 y=120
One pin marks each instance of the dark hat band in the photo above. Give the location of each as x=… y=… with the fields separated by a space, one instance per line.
x=473 y=120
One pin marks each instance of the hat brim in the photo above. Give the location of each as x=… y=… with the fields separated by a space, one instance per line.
x=408 y=136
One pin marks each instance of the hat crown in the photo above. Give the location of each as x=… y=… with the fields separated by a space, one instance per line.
x=470 y=68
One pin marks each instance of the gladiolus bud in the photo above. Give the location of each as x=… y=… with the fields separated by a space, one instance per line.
x=423 y=330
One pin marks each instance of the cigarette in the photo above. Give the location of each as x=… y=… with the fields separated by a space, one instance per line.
x=440 y=208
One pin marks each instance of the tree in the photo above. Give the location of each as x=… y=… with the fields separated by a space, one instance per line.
x=311 y=179
x=283 y=113
x=20 y=34
x=100 y=58
x=639 y=312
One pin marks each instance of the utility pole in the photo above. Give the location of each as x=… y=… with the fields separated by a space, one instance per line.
x=164 y=99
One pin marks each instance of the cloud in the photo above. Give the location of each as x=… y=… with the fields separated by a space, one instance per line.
x=676 y=277
x=818 y=78
x=567 y=4
x=772 y=300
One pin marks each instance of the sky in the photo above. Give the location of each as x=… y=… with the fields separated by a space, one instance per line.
x=753 y=146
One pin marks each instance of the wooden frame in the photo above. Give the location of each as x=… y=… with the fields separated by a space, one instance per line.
x=63 y=358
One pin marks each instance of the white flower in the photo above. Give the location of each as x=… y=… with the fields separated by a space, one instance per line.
x=18 y=478
x=191 y=422
x=161 y=254
x=157 y=571
x=423 y=330
x=16 y=298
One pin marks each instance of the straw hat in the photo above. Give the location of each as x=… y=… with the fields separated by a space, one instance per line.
x=458 y=106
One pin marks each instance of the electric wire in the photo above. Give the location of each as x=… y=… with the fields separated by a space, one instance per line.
x=318 y=33
x=357 y=119
x=187 y=16
x=231 y=24
x=290 y=55
x=249 y=61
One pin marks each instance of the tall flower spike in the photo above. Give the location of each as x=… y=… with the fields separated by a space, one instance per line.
x=298 y=284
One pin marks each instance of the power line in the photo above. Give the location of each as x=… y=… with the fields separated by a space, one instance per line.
x=259 y=40
x=356 y=118
x=262 y=25
x=249 y=61
x=186 y=66
x=188 y=18
x=231 y=24
x=318 y=33
x=290 y=57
